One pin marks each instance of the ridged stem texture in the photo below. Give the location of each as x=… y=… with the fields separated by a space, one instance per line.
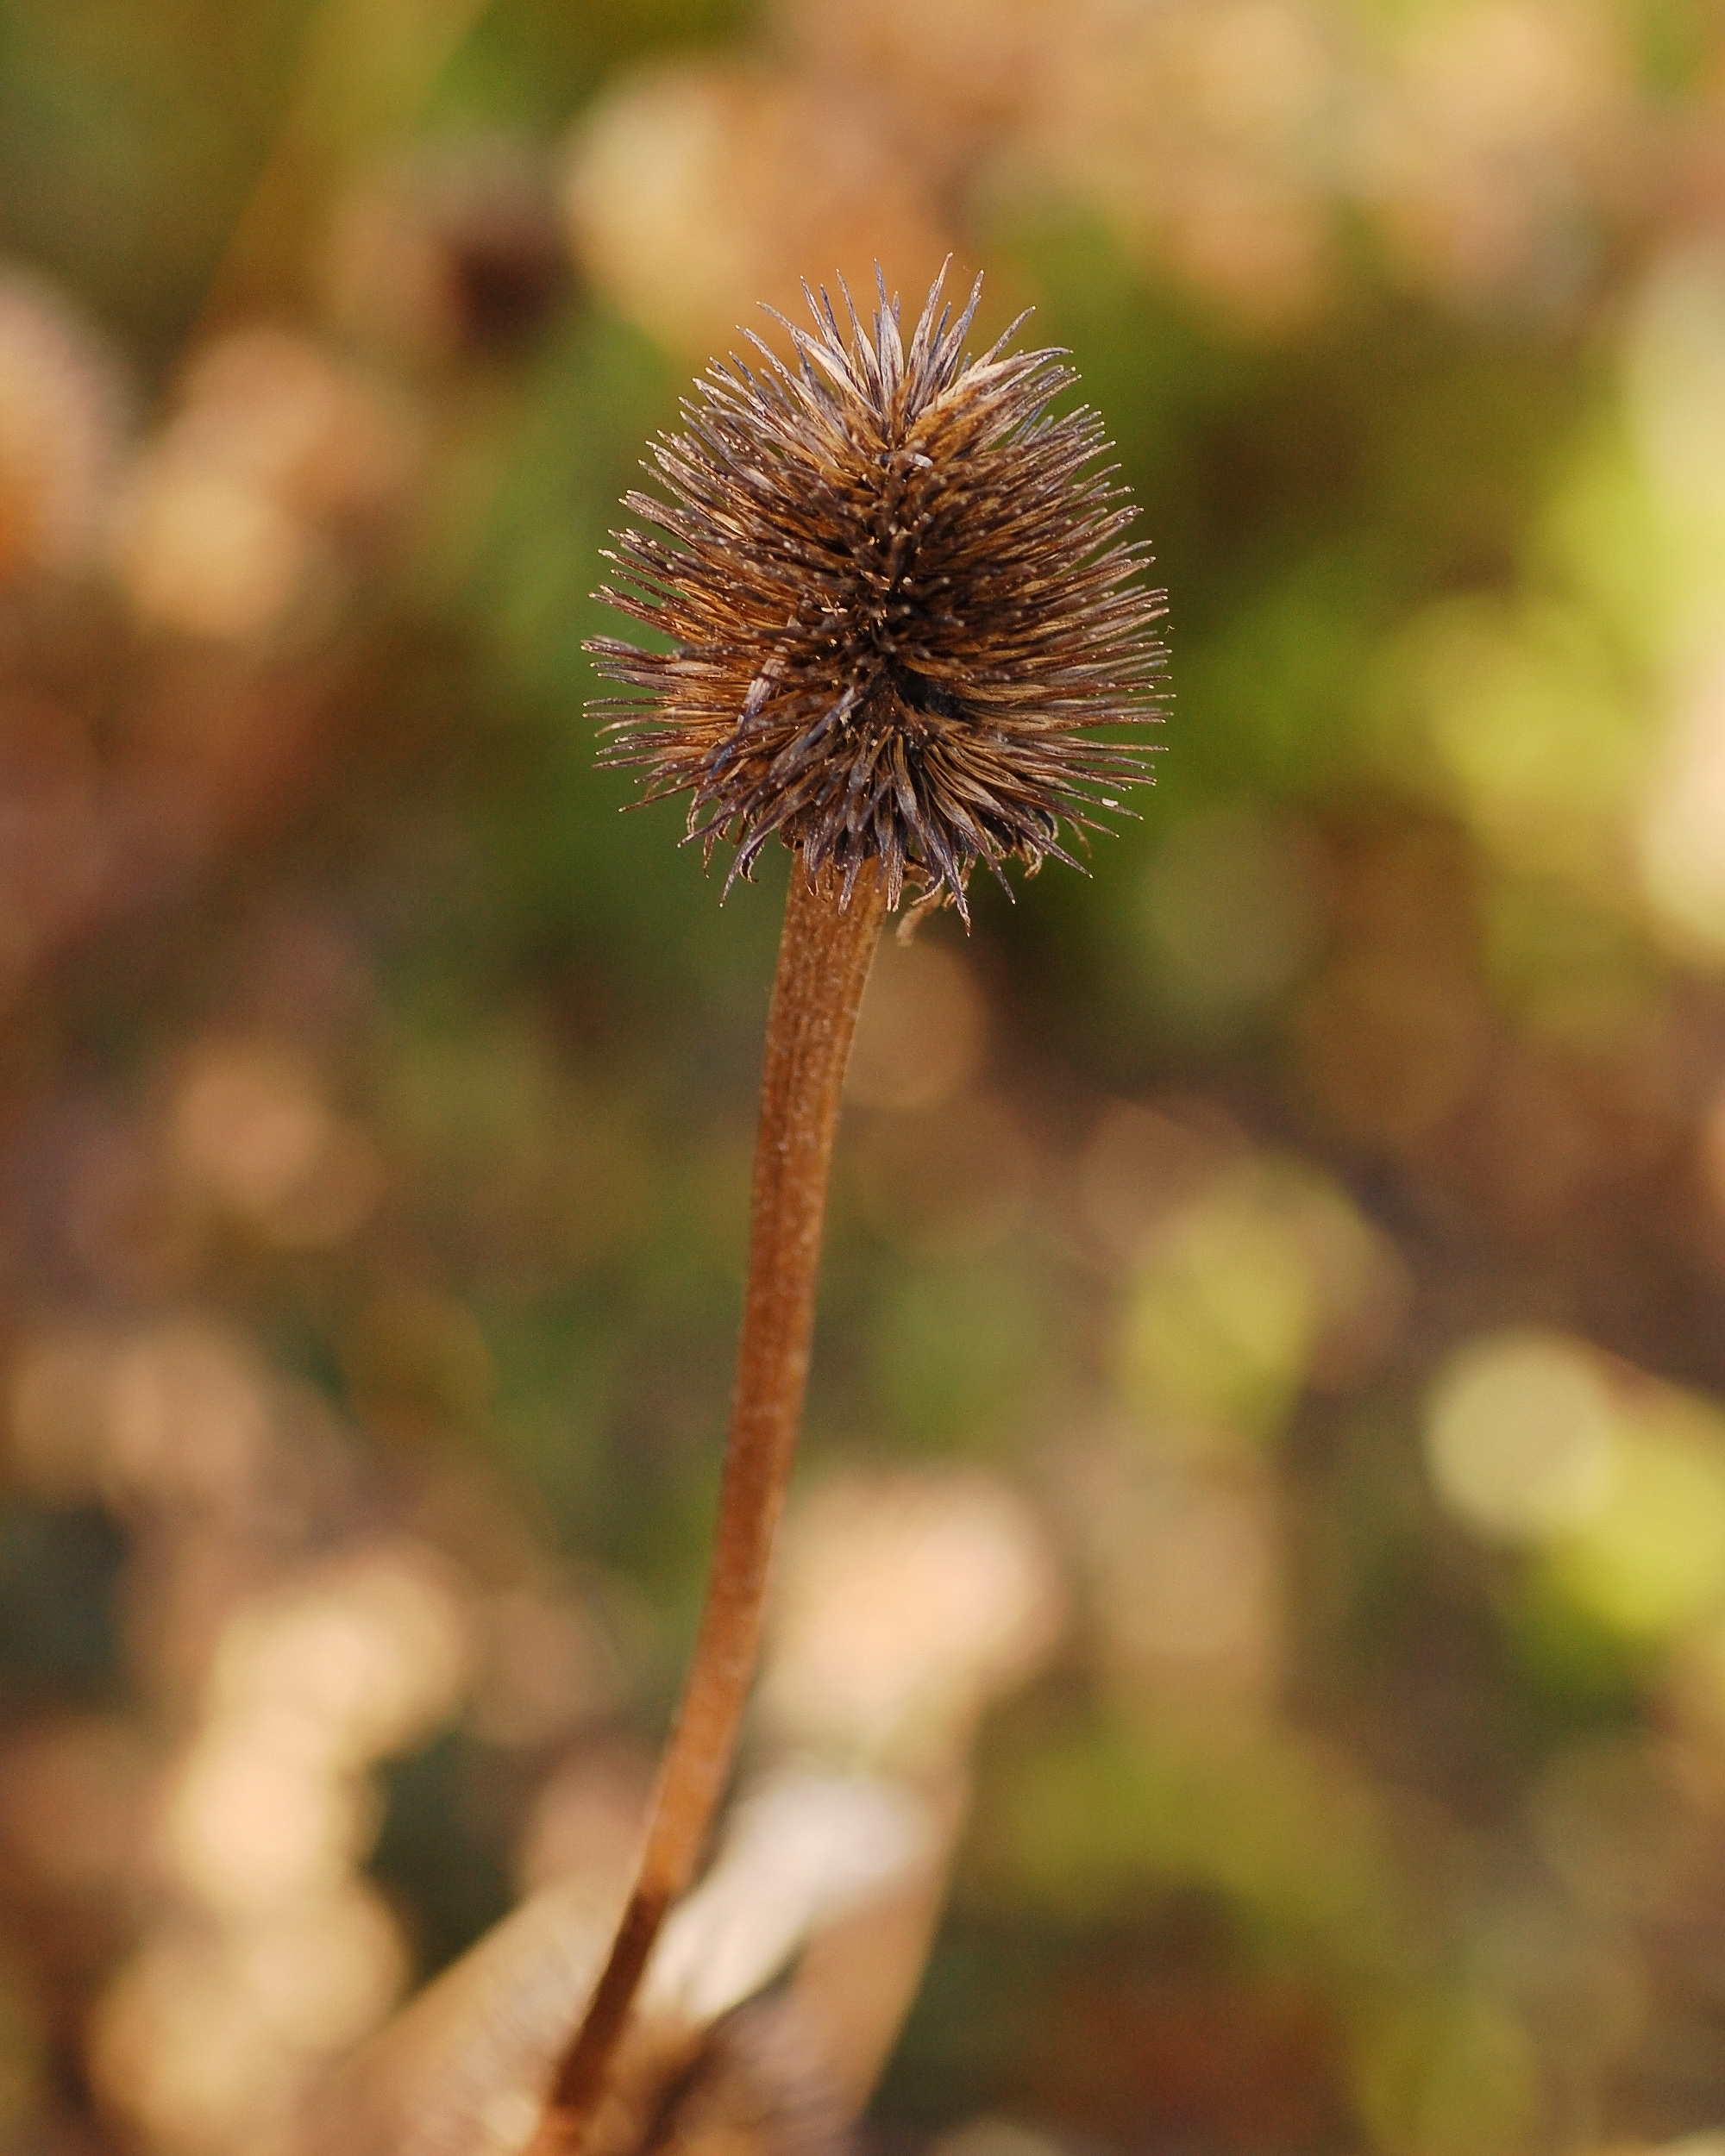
x=824 y=954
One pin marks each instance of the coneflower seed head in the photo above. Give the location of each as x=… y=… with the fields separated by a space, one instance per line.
x=897 y=591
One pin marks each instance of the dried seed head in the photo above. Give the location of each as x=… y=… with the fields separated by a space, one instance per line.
x=897 y=591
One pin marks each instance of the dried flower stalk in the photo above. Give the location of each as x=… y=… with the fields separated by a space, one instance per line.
x=896 y=592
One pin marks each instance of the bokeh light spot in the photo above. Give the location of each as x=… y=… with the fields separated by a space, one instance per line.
x=1522 y=1436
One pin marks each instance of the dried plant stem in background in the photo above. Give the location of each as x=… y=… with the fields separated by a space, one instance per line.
x=825 y=955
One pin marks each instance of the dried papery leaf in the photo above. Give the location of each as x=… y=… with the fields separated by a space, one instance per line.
x=859 y=1972
x=755 y=2084
x=834 y=1875
x=760 y=2086
x=463 y=2070
x=803 y=1849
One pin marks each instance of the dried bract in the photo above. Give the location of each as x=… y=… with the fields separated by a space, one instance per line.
x=897 y=591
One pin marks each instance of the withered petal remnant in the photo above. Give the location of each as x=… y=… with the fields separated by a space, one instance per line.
x=898 y=591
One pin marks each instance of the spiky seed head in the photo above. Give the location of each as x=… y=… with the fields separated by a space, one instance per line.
x=897 y=592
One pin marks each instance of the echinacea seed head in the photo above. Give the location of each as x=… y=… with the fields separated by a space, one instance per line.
x=898 y=594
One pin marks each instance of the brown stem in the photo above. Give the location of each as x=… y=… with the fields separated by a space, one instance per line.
x=824 y=954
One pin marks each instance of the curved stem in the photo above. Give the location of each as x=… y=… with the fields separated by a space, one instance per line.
x=824 y=954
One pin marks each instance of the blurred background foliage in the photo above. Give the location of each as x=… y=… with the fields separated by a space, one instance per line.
x=1317 y=1213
